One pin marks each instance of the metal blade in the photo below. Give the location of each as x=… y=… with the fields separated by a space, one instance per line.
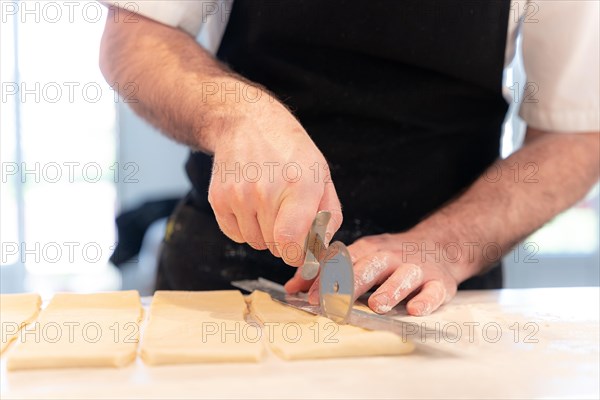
x=278 y=293
x=314 y=245
x=363 y=319
x=336 y=283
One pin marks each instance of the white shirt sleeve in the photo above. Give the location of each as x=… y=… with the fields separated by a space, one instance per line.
x=560 y=45
x=203 y=19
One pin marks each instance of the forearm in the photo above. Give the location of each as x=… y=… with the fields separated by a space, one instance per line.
x=168 y=79
x=516 y=196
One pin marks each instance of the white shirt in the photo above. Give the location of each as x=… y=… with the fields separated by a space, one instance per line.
x=559 y=41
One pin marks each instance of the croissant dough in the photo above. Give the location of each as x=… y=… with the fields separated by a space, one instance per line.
x=191 y=327
x=81 y=330
x=294 y=334
x=16 y=311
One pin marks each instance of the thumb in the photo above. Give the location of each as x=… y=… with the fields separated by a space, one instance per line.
x=292 y=224
x=297 y=284
x=330 y=202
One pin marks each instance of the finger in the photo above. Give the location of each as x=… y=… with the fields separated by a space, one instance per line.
x=371 y=270
x=432 y=295
x=292 y=224
x=297 y=284
x=250 y=229
x=330 y=202
x=359 y=249
x=229 y=226
x=266 y=221
x=313 y=292
x=224 y=215
x=400 y=284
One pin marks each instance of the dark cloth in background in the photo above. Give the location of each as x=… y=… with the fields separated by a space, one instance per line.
x=133 y=224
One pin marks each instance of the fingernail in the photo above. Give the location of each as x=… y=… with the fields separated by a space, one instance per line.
x=382 y=302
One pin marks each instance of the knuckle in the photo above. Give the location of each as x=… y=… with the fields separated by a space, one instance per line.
x=212 y=196
x=337 y=218
x=263 y=193
x=286 y=230
x=385 y=237
x=216 y=198
x=240 y=193
x=385 y=255
x=362 y=243
x=449 y=292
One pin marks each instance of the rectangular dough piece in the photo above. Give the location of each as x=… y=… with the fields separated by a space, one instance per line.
x=81 y=330
x=293 y=334
x=196 y=327
x=16 y=311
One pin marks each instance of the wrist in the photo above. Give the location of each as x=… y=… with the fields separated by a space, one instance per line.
x=458 y=251
x=226 y=104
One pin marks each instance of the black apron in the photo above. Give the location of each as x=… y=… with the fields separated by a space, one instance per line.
x=404 y=99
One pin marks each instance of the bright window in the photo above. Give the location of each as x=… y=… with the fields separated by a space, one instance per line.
x=64 y=171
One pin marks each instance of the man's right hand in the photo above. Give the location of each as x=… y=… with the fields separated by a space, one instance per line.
x=174 y=81
x=269 y=178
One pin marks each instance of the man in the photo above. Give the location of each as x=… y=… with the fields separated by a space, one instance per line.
x=394 y=108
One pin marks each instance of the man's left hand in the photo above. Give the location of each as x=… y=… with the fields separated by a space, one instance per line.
x=397 y=263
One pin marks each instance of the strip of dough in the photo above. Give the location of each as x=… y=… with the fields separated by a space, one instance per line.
x=294 y=334
x=81 y=330
x=16 y=311
x=194 y=327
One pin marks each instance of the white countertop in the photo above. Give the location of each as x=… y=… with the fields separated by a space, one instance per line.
x=549 y=347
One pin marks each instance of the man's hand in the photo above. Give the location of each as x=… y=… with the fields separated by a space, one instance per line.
x=389 y=260
x=384 y=260
x=264 y=190
x=194 y=99
x=493 y=213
